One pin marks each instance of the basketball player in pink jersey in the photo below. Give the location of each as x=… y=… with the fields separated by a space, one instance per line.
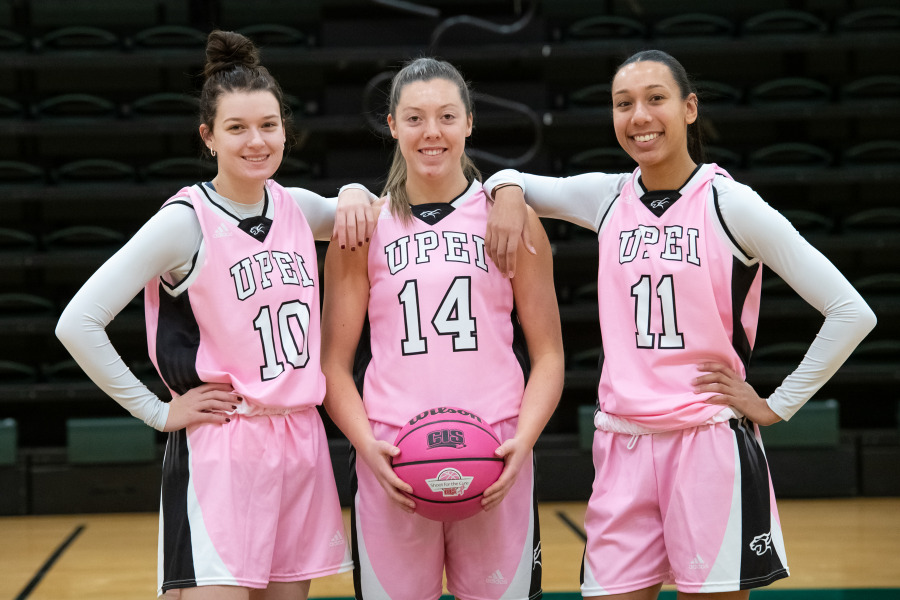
x=249 y=507
x=682 y=492
x=441 y=334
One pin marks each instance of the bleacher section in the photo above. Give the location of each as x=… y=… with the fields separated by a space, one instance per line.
x=98 y=127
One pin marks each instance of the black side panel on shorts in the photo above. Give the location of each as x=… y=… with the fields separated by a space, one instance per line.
x=178 y=555
x=741 y=279
x=535 y=592
x=354 y=543
x=760 y=564
x=177 y=341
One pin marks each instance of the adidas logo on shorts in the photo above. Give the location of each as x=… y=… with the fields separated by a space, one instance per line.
x=496 y=578
x=336 y=540
x=698 y=563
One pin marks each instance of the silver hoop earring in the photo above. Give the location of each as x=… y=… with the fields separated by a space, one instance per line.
x=213 y=152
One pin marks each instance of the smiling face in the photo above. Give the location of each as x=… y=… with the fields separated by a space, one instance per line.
x=247 y=135
x=651 y=117
x=430 y=124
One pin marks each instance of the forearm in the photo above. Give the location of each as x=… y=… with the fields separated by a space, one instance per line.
x=541 y=396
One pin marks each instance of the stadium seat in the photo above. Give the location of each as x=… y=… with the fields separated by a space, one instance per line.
x=790 y=352
x=592 y=96
x=876 y=86
x=83 y=236
x=880 y=283
x=606 y=27
x=10 y=109
x=13 y=372
x=185 y=170
x=10 y=40
x=874 y=220
x=169 y=36
x=74 y=105
x=693 y=25
x=791 y=90
x=718 y=92
x=164 y=104
x=724 y=157
x=878 y=152
x=273 y=34
x=14 y=239
x=807 y=221
x=78 y=38
x=21 y=304
x=783 y=22
x=791 y=155
x=870 y=20
x=605 y=160
x=64 y=371
x=114 y=14
x=94 y=170
x=16 y=172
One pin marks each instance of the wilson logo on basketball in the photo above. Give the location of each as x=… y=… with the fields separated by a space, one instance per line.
x=444 y=411
x=449 y=482
x=446 y=438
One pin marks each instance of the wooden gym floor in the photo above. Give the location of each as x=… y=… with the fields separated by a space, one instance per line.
x=837 y=548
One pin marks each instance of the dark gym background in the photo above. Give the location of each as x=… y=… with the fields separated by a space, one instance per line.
x=98 y=127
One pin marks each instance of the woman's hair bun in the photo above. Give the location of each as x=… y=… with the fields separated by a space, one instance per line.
x=227 y=49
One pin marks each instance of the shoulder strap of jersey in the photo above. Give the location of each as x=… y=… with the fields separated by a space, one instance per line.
x=719 y=171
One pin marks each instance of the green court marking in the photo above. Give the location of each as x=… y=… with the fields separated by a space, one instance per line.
x=764 y=594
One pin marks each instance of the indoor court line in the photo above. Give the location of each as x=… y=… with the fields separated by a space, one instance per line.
x=45 y=568
x=838 y=549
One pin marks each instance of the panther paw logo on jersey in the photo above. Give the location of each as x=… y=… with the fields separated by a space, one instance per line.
x=762 y=543
x=450 y=483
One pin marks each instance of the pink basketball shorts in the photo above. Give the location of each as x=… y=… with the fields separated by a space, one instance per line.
x=250 y=502
x=693 y=507
x=402 y=556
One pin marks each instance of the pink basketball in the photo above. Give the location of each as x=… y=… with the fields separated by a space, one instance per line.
x=447 y=456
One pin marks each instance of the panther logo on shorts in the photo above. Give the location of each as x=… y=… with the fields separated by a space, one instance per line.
x=762 y=543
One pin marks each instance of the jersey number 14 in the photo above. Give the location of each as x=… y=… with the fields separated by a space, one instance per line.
x=453 y=317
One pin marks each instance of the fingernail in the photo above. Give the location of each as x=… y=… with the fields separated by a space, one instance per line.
x=227 y=420
x=233 y=407
x=510 y=274
x=352 y=248
x=367 y=239
x=342 y=246
x=240 y=398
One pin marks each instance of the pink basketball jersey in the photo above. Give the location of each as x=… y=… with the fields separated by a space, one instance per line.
x=671 y=295
x=248 y=314
x=439 y=313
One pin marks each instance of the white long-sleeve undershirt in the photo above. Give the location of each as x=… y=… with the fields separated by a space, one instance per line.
x=761 y=232
x=165 y=245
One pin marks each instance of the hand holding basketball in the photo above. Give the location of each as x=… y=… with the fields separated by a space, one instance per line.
x=514 y=453
x=377 y=455
x=447 y=455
